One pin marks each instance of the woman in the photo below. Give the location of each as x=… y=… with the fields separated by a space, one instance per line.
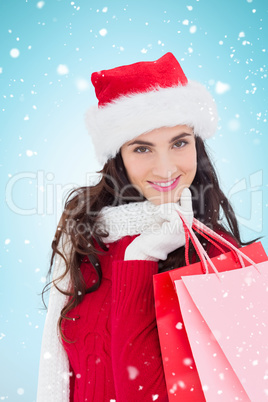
x=100 y=341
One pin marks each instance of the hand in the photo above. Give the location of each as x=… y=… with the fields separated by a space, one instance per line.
x=157 y=242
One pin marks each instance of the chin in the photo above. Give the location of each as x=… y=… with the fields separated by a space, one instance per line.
x=163 y=199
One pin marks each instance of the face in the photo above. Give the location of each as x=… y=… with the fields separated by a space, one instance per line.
x=161 y=163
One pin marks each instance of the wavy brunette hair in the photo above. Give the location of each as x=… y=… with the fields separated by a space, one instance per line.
x=79 y=221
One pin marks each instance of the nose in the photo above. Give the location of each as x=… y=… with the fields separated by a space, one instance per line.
x=164 y=166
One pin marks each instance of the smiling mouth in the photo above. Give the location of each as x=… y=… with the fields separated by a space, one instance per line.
x=165 y=185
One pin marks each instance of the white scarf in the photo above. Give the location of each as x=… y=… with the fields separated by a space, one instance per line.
x=129 y=219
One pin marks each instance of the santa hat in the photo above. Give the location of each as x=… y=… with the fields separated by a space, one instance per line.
x=140 y=97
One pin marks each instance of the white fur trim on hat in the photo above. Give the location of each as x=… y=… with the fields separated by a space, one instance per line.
x=129 y=116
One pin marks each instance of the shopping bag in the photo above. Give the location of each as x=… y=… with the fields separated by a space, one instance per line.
x=226 y=322
x=181 y=375
x=226 y=319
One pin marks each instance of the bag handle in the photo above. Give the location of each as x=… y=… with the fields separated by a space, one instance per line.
x=237 y=257
x=204 y=258
x=196 y=246
x=206 y=232
x=240 y=254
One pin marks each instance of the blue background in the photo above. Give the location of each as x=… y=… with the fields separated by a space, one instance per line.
x=45 y=149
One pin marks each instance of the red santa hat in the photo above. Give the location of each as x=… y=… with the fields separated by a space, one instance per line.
x=140 y=97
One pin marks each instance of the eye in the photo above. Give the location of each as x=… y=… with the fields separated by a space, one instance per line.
x=141 y=150
x=180 y=144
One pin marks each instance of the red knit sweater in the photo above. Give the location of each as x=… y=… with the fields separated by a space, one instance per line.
x=116 y=354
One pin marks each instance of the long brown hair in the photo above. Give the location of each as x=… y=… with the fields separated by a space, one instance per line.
x=79 y=220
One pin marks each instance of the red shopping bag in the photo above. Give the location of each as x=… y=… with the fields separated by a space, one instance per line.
x=181 y=375
x=225 y=316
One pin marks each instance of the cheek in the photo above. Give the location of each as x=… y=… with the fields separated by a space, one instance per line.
x=189 y=161
x=137 y=172
x=135 y=169
x=194 y=163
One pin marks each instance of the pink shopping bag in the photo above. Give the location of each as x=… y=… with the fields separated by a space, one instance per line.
x=226 y=320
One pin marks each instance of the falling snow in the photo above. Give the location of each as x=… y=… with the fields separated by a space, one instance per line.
x=187 y=361
x=14 y=53
x=133 y=372
x=103 y=32
x=47 y=355
x=82 y=84
x=62 y=69
x=221 y=87
x=233 y=125
x=238 y=60
x=179 y=325
x=193 y=29
x=40 y=4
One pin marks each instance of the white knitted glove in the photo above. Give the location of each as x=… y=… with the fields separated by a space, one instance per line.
x=156 y=243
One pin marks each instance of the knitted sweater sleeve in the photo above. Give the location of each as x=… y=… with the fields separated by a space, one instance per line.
x=136 y=356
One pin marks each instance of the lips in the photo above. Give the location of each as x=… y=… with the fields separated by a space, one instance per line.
x=165 y=185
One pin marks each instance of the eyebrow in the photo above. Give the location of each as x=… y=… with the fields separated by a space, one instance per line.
x=177 y=137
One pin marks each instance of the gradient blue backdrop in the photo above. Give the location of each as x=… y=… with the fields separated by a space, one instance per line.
x=45 y=150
